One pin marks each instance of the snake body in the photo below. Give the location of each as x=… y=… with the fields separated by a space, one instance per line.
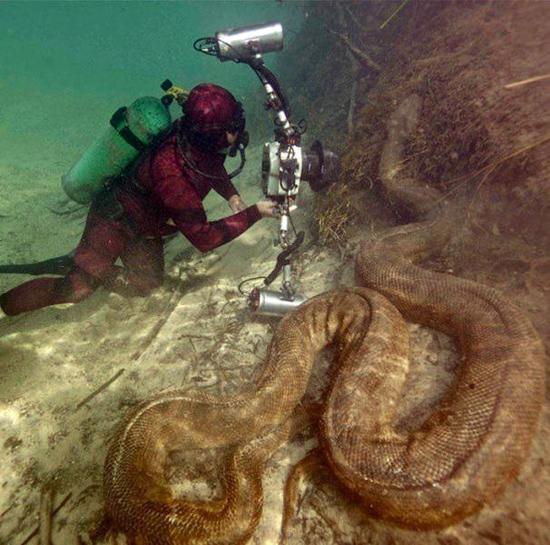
x=457 y=461
x=460 y=458
x=477 y=439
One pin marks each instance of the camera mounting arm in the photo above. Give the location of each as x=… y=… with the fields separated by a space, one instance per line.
x=284 y=163
x=288 y=138
x=276 y=101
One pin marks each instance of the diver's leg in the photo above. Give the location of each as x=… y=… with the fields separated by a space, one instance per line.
x=101 y=244
x=143 y=270
x=44 y=292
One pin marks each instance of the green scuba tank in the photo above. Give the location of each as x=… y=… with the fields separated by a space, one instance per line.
x=130 y=131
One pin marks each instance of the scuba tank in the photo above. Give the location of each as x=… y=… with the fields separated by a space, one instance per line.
x=130 y=131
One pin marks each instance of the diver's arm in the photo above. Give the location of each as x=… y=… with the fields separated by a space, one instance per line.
x=206 y=235
x=227 y=190
x=184 y=206
x=222 y=183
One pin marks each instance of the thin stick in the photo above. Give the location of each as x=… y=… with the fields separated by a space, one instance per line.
x=100 y=389
x=360 y=53
x=152 y=335
x=66 y=212
x=355 y=70
x=54 y=512
x=483 y=180
x=187 y=372
x=46 y=506
x=205 y=337
x=354 y=19
x=6 y=511
x=526 y=81
x=393 y=14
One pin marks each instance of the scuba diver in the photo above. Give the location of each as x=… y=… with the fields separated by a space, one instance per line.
x=159 y=195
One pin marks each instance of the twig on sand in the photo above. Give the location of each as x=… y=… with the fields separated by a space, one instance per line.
x=354 y=18
x=54 y=512
x=170 y=308
x=493 y=166
x=100 y=389
x=205 y=337
x=526 y=81
x=6 y=511
x=46 y=506
x=194 y=357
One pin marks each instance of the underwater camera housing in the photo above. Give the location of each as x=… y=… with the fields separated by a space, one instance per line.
x=285 y=164
x=284 y=167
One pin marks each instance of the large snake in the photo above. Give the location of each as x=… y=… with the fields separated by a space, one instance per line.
x=458 y=460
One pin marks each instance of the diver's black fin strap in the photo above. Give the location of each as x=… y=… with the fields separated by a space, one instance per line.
x=58 y=266
x=119 y=123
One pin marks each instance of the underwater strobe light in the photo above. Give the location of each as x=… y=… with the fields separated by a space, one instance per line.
x=243 y=44
x=285 y=164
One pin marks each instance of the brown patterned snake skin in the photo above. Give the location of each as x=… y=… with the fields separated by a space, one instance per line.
x=461 y=457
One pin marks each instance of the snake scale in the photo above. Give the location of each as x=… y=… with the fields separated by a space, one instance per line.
x=458 y=460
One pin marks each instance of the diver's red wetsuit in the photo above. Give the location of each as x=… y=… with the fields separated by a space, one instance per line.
x=167 y=189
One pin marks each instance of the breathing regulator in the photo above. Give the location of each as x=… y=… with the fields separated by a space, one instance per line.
x=285 y=163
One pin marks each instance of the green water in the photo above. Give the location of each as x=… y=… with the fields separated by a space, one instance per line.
x=66 y=66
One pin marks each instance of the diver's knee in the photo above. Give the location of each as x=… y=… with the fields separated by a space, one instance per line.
x=81 y=293
x=77 y=286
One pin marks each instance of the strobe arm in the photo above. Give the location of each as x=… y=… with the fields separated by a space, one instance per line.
x=277 y=101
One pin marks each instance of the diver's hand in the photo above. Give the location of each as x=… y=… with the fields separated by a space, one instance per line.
x=236 y=204
x=268 y=209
